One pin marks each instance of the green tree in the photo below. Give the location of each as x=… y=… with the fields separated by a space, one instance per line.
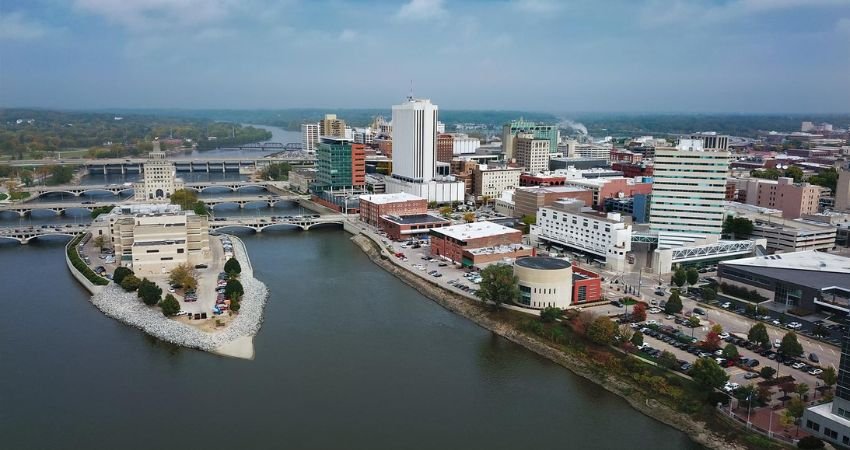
x=709 y=294
x=277 y=171
x=767 y=372
x=829 y=376
x=730 y=351
x=149 y=292
x=810 y=443
x=679 y=277
x=827 y=178
x=446 y=211
x=527 y=221
x=790 y=346
x=674 y=304
x=232 y=267
x=61 y=174
x=130 y=283
x=737 y=226
x=767 y=174
x=233 y=290
x=802 y=390
x=794 y=172
x=602 y=330
x=432 y=205
x=637 y=339
x=119 y=274
x=795 y=410
x=469 y=217
x=169 y=305
x=708 y=374
x=693 y=321
x=692 y=276
x=183 y=275
x=550 y=314
x=498 y=284
x=99 y=242
x=758 y=333
x=200 y=208
x=667 y=360
x=185 y=198
x=235 y=306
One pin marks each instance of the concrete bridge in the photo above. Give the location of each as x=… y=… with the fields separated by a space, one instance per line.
x=115 y=189
x=268 y=200
x=182 y=163
x=57 y=207
x=25 y=234
x=259 y=224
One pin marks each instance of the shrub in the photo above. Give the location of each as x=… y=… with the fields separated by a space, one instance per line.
x=81 y=266
x=130 y=283
x=169 y=305
x=810 y=442
x=119 y=274
x=232 y=267
x=742 y=292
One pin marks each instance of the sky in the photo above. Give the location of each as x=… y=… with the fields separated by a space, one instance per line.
x=703 y=56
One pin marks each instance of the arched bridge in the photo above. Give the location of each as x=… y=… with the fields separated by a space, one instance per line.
x=57 y=207
x=259 y=224
x=115 y=189
x=25 y=234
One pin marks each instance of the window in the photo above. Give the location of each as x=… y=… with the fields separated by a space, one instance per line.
x=830 y=433
x=180 y=250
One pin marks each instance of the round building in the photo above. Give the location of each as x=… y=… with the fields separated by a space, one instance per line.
x=544 y=282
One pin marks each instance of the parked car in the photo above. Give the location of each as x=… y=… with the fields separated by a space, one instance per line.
x=813 y=358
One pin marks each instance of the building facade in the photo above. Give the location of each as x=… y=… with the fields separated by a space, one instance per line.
x=331 y=126
x=340 y=164
x=539 y=131
x=544 y=282
x=415 y=140
x=159 y=180
x=492 y=181
x=477 y=243
x=793 y=199
x=689 y=187
x=531 y=152
x=373 y=206
x=400 y=228
x=309 y=136
x=530 y=199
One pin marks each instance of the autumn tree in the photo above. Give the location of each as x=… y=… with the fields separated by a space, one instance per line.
x=498 y=285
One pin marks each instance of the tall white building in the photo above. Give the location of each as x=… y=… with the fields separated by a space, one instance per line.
x=689 y=187
x=309 y=136
x=414 y=133
x=415 y=140
x=159 y=180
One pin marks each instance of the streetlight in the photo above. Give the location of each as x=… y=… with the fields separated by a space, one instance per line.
x=749 y=406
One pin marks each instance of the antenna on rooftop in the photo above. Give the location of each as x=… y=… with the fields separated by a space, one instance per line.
x=410 y=96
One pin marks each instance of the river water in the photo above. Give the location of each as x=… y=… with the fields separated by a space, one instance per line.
x=348 y=357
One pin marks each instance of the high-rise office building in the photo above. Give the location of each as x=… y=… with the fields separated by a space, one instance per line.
x=842 y=190
x=309 y=136
x=531 y=152
x=689 y=187
x=415 y=140
x=340 y=164
x=540 y=131
x=331 y=126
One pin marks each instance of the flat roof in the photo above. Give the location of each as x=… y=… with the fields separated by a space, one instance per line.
x=543 y=263
x=806 y=261
x=474 y=230
x=383 y=199
x=414 y=219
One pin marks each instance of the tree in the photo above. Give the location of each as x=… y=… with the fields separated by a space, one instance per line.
x=707 y=373
x=235 y=306
x=469 y=217
x=550 y=314
x=712 y=341
x=119 y=274
x=810 y=443
x=740 y=226
x=795 y=409
x=639 y=312
x=730 y=351
x=130 y=283
x=802 y=390
x=679 y=277
x=692 y=276
x=767 y=372
x=498 y=285
x=794 y=172
x=789 y=345
x=183 y=275
x=820 y=330
x=758 y=333
x=233 y=290
x=185 y=198
x=829 y=376
x=693 y=321
x=276 y=172
x=716 y=328
x=432 y=205
x=149 y=292
x=709 y=294
x=100 y=242
x=637 y=339
x=527 y=221
x=625 y=333
x=169 y=305
x=232 y=267
x=827 y=178
x=200 y=208
x=446 y=211
x=674 y=304
x=667 y=360
x=602 y=331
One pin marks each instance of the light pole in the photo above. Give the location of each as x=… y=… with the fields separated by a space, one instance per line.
x=749 y=407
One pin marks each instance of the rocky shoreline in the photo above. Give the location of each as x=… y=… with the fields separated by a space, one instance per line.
x=233 y=340
x=697 y=431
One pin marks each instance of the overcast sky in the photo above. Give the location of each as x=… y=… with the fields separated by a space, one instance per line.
x=546 y=55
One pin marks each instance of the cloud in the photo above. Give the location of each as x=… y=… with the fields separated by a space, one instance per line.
x=16 y=27
x=660 y=12
x=537 y=6
x=421 y=10
x=843 y=25
x=348 y=35
x=143 y=15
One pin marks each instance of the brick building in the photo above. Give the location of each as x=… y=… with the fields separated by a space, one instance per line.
x=528 y=200
x=631 y=170
x=373 y=206
x=400 y=228
x=541 y=179
x=587 y=286
x=478 y=243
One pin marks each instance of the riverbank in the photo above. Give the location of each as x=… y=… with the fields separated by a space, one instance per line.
x=698 y=431
x=236 y=340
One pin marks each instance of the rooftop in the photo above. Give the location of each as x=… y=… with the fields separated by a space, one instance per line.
x=543 y=263
x=807 y=261
x=414 y=219
x=474 y=230
x=498 y=249
x=383 y=199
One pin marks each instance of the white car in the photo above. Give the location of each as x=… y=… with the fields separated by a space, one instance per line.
x=815 y=372
x=723 y=335
x=795 y=325
x=726 y=305
x=777 y=343
x=798 y=365
x=652 y=322
x=729 y=387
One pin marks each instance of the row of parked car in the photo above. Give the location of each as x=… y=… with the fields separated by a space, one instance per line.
x=774 y=355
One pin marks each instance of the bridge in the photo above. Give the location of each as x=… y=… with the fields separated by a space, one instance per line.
x=115 y=189
x=57 y=207
x=182 y=163
x=259 y=224
x=268 y=200
x=25 y=234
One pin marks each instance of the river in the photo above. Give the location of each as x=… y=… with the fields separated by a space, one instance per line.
x=348 y=357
